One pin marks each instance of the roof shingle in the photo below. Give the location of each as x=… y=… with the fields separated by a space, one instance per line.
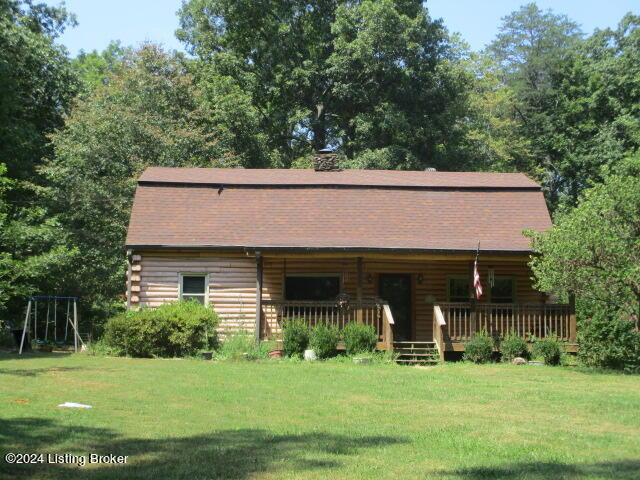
x=185 y=208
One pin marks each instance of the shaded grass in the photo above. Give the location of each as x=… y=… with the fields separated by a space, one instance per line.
x=193 y=419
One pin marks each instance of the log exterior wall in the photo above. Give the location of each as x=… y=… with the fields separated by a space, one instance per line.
x=232 y=281
x=431 y=289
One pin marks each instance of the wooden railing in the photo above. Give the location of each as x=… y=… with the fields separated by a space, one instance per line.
x=526 y=320
x=372 y=312
x=439 y=323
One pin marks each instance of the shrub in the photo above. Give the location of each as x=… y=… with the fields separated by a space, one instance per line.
x=608 y=341
x=549 y=349
x=480 y=348
x=295 y=337
x=359 y=338
x=171 y=330
x=243 y=346
x=513 y=346
x=324 y=340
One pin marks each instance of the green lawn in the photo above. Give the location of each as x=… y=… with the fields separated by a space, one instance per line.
x=194 y=420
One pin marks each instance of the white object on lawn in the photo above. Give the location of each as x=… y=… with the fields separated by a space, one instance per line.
x=310 y=355
x=74 y=405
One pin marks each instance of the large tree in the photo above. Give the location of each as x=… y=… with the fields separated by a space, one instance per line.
x=378 y=80
x=594 y=249
x=37 y=82
x=149 y=112
x=575 y=100
x=37 y=85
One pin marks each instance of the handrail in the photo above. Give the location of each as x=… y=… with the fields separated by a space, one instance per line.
x=371 y=311
x=438 y=325
x=388 y=322
x=527 y=320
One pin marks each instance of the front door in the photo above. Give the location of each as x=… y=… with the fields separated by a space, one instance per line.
x=395 y=288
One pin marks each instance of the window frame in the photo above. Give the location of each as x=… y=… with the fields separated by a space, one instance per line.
x=205 y=295
x=514 y=289
x=315 y=275
x=457 y=277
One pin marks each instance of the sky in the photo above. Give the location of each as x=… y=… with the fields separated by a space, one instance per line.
x=136 y=21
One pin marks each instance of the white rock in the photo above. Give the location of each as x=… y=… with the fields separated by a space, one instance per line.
x=74 y=405
x=310 y=355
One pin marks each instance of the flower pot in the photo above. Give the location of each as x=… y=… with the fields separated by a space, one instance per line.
x=207 y=355
x=275 y=354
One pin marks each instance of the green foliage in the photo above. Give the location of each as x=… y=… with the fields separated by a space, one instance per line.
x=149 y=113
x=95 y=68
x=480 y=348
x=37 y=85
x=359 y=338
x=593 y=250
x=512 y=346
x=243 y=346
x=295 y=337
x=171 y=330
x=281 y=78
x=608 y=341
x=549 y=349
x=324 y=339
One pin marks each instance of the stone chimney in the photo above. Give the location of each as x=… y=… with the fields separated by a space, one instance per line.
x=325 y=161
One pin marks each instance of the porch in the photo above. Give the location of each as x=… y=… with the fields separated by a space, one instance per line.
x=453 y=323
x=412 y=302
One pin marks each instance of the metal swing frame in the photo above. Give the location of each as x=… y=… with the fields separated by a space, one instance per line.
x=33 y=301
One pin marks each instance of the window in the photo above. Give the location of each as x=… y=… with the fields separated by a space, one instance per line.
x=503 y=290
x=309 y=287
x=458 y=289
x=194 y=287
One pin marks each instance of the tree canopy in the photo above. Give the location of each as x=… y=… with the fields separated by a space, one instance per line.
x=266 y=83
x=376 y=79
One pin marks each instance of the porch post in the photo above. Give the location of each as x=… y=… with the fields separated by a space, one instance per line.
x=472 y=300
x=129 y=273
x=359 y=289
x=572 y=316
x=258 y=294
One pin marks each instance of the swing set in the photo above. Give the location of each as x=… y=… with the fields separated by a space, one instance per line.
x=52 y=327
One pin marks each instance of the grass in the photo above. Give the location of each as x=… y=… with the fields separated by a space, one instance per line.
x=190 y=419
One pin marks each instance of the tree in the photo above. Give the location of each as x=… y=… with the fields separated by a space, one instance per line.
x=378 y=80
x=94 y=68
x=594 y=249
x=37 y=83
x=148 y=113
x=575 y=100
x=596 y=116
x=493 y=133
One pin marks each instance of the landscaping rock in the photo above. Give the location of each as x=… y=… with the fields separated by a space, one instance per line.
x=519 y=361
x=310 y=355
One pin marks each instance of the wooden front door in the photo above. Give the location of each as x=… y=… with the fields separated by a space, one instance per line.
x=395 y=288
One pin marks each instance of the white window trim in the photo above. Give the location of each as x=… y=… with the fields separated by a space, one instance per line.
x=195 y=274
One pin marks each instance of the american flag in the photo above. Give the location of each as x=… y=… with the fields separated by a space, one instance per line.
x=477 y=285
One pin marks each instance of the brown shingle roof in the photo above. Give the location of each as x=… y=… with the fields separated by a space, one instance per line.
x=295 y=177
x=256 y=209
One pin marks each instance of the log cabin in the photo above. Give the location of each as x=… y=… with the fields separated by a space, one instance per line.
x=393 y=249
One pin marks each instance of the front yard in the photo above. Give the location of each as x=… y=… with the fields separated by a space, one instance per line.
x=192 y=419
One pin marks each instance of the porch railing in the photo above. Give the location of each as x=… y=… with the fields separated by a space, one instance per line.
x=462 y=320
x=374 y=312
